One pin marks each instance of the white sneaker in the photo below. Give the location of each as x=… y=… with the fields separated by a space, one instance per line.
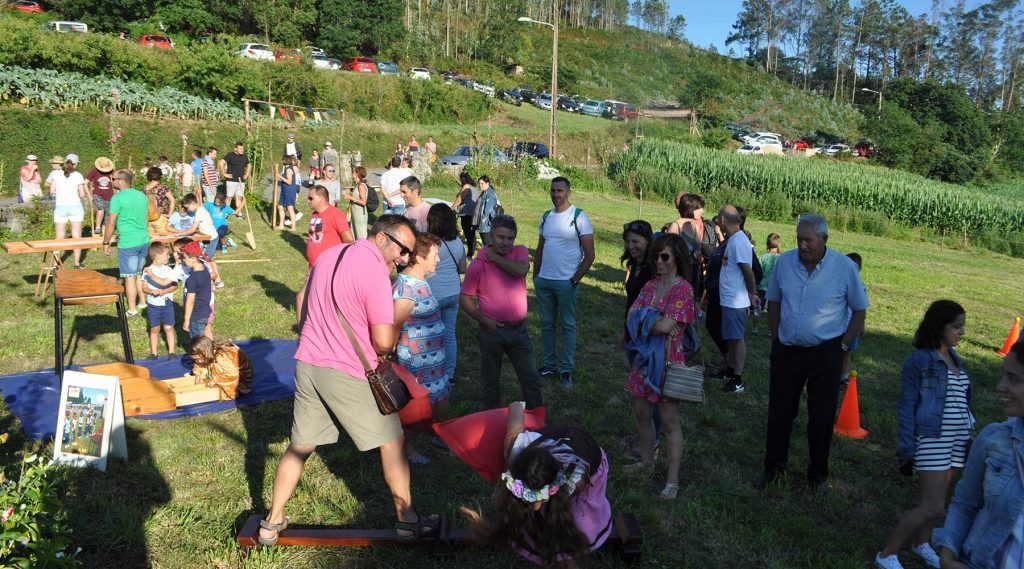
x=927 y=554
x=287 y=222
x=298 y=216
x=891 y=562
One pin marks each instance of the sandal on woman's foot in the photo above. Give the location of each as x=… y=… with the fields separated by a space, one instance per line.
x=276 y=528
x=669 y=492
x=422 y=527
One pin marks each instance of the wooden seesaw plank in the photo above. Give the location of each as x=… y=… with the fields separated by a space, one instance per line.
x=625 y=537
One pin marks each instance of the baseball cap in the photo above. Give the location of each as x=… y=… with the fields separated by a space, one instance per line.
x=73 y=158
x=192 y=248
x=328 y=144
x=31 y=157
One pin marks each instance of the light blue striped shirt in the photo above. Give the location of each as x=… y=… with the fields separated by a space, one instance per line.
x=814 y=306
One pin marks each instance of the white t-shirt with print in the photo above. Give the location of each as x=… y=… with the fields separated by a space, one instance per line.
x=732 y=289
x=205 y=222
x=66 y=187
x=563 y=252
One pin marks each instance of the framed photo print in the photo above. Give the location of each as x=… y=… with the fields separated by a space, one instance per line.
x=90 y=420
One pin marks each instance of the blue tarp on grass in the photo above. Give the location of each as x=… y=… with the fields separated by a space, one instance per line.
x=33 y=396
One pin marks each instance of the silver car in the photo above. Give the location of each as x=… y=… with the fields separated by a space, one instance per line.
x=465 y=154
x=256 y=51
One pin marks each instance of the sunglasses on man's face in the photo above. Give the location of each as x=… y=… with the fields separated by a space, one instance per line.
x=405 y=251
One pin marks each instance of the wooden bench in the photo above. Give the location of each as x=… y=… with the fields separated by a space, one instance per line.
x=79 y=287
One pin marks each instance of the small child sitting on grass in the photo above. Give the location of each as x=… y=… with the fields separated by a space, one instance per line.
x=221 y=365
x=159 y=281
x=198 y=294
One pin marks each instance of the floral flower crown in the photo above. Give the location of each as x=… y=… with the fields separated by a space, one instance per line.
x=519 y=489
x=569 y=476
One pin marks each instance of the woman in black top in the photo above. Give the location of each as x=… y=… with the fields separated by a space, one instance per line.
x=636 y=236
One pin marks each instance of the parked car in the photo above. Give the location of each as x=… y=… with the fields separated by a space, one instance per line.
x=67 y=26
x=324 y=62
x=449 y=76
x=314 y=50
x=520 y=149
x=621 y=111
x=467 y=83
x=125 y=34
x=360 y=65
x=484 y=88
x=567 y=104
x=750 y=149
x=464 y=154
x=26 y=7
x=593 y=108
x=755 y=135
x=154 y=40
x=511 y=96
x=387 y=68
x=288 y=55
x=419 y=73
x=543 y=101
x=864 y=149
x=837 y=149
x=256 y=51
x=766 y=140
x=800 y=145
x=529 y=96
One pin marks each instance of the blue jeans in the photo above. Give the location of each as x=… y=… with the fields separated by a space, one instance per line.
x=196 y=327
x=557 y=299
x=449 y=315
x=131 y=260
x=211 y=247
x=397 y=209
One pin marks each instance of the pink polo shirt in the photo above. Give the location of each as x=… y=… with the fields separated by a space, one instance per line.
x=501 y=296
x=362 y=287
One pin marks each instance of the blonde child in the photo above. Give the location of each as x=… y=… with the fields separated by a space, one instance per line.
x=159 y=281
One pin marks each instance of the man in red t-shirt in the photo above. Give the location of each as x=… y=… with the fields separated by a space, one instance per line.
x=327 y=226
x=100 y=182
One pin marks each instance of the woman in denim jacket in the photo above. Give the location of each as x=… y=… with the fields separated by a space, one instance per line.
x=935 y=425
x=985 y=524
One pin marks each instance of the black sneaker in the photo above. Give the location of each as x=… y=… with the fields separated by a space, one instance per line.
x=566 y=380
x=546 y=373
x=733 y=386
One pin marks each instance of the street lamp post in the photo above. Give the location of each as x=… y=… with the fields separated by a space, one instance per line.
x=553 y=136
x=879 y=93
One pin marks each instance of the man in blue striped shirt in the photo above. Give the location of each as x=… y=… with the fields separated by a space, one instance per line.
x=812 y=292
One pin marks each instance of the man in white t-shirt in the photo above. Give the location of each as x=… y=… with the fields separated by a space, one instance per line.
x=390 y=186
x=565 y=252
x=203 y=225
x=737 y=292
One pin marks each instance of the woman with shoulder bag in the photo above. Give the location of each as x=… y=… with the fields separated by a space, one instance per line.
x=446 y=282
x=935 y=424
x=666 y=305
x=465 y=205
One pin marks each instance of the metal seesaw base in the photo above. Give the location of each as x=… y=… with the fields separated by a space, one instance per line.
x=625 y=537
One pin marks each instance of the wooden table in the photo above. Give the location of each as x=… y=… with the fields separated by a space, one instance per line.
x=52 y=248
x=82 y=286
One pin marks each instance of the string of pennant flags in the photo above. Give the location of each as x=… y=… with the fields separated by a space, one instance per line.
x=295 y=113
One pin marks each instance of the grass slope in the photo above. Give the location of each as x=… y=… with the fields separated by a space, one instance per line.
x=190 y=482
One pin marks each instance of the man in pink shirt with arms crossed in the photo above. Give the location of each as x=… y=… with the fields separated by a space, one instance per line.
x=494 y=294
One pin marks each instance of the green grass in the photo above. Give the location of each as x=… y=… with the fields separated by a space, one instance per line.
x=189 y=483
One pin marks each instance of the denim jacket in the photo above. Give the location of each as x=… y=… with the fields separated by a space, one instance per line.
x=989 y=497
x=922 y=398
x=646 y=351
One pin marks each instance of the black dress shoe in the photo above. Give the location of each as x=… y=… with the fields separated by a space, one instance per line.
x=767 y=478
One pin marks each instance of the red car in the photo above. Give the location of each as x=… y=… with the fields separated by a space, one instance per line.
x=360 y=65
x=26 y=6
x=800 y=145
x=153 y=40
x=288 y=55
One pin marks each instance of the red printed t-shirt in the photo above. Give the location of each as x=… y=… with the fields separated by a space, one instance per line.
x=362 y=287
x=325 y=231
x=102 y=183
x=501 y=296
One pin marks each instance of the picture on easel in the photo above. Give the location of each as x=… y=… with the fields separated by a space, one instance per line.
x=90 y=421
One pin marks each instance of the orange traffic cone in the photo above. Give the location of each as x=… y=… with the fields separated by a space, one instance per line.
x=1011 y=338
x=848 y=424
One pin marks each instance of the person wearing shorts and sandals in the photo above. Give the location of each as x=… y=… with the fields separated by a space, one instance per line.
x=331 y=391
x=935 y=424
x=68 y=186
x=128 y=214
x=238 y=170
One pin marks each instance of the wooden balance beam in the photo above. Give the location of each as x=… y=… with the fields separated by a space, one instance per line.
x=625 y=537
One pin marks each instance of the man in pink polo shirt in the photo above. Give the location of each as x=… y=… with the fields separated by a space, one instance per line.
x=331 y=391
x=494 y=294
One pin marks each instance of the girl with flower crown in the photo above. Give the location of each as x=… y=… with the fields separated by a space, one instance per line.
x=550 y=504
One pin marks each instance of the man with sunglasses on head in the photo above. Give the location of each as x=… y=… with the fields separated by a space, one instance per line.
x=331 y=391
x=494 y=294
x=331 y=182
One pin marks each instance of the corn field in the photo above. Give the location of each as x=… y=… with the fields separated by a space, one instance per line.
x=667 y=167
x=49 y=89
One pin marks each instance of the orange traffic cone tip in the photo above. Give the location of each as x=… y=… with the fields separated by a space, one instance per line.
x=1011 y=338
x=848 y=424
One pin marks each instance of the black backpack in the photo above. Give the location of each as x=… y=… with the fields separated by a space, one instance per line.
x=372 y=199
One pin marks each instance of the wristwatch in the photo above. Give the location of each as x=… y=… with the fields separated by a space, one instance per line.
x=846 y=348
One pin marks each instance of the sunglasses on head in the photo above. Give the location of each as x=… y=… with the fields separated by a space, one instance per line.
x=405 y=251
x=634 y=226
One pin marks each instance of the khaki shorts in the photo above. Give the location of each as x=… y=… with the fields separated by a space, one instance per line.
x=327 y=400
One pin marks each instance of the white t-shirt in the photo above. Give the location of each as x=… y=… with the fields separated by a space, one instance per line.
x=66 y=187
x=391 y=180
x=290 y=150
x=164 y=272
x=563 y=251
x=205 y=222
x=732 y=289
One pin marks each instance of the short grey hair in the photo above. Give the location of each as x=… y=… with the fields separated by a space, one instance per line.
x=506 y=221
x=816 y=222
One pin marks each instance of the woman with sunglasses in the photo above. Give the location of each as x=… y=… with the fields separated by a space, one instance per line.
x=665 y=303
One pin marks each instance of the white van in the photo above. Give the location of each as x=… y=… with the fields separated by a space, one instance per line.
x=65 y=26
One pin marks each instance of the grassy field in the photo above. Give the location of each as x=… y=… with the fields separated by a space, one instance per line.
x=190 y=483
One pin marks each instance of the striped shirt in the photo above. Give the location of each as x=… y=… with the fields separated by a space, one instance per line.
x=814 y=305
x=209 y=173
x=949 y=449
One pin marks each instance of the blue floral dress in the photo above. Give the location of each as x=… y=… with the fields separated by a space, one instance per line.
x=421 y=345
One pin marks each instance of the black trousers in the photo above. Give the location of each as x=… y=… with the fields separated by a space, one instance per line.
x=792 y=368
x=713 y=322
x=469 y=232
x=518 y=346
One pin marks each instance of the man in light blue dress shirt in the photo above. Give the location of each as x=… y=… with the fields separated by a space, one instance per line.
x=812 y=292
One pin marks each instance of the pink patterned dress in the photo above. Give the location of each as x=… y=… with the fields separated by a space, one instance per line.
x=676 y=304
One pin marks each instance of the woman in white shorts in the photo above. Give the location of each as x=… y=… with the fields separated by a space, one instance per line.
x=68 y=186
